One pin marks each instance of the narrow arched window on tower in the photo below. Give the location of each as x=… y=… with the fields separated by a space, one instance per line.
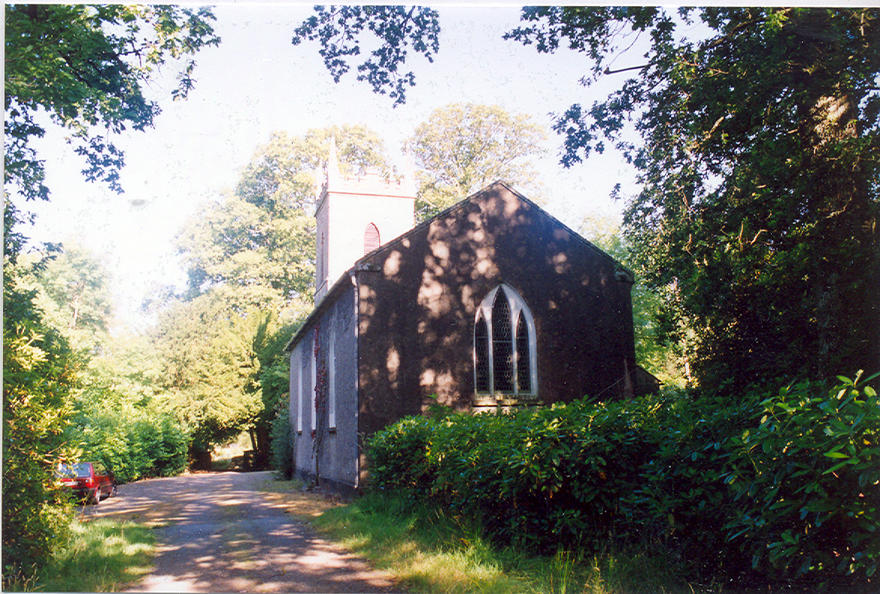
x=371 y=238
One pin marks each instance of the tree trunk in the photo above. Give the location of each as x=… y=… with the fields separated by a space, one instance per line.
x=845 y=298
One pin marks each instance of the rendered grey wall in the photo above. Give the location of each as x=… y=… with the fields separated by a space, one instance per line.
x=332 y=452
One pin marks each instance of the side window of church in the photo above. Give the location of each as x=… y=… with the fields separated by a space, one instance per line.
x=371 y=238
x=504 y=345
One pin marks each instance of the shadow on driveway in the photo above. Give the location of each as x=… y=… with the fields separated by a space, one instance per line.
x=217 y=532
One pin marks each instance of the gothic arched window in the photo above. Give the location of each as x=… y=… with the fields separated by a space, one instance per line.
x=504 y=345
x=371 y=238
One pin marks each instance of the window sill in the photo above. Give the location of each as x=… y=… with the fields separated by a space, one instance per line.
x=504 y=399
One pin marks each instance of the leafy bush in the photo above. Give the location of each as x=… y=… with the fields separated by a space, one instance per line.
x=805 y=483
x=281 y=441
x=134 y=441
x=39 y=372
x=786 y=487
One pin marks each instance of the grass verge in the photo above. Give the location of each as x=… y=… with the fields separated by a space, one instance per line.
x=427 y=550
x=100 y=556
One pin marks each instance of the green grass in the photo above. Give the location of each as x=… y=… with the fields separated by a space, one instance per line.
x=100 y=556
x=428 y=551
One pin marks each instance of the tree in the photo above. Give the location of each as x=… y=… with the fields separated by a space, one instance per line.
x=655 y=349
x=337 y=29
x=86 y=66
x=273 y=425
x=74 y=294
x=757 y=217
x=758 y=212
x=463 y=147
x=39 y=373
x=209 y=370
x=258 y=246
x=82 y=68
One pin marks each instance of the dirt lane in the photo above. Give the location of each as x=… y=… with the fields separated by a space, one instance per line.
x=227 y=532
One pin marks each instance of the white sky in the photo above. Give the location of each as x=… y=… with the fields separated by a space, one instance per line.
x=257 y=82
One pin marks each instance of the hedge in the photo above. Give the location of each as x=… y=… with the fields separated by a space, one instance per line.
x=782 y=487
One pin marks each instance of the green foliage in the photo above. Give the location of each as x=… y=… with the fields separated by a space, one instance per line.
x=134 y=439
x=86 y=66
x=779 y=489
x=210 y=369
x=806 y=482
x=256 y=249
x=397 y=28
x=655 y=350
x=73 y=291
x=463 y=147
x=281 y=441
x=39 y=372
x=100 y=556
x=274 y=379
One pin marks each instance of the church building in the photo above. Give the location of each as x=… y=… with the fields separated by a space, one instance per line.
x=491 y=304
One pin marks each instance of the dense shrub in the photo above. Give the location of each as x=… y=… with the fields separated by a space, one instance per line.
x=786 y=487
x=806 y=483
x=133 y=441
x=281 y=442
x=39 y=373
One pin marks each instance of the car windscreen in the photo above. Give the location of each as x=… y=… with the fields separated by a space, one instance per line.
x=82 y=470
x=79 y=470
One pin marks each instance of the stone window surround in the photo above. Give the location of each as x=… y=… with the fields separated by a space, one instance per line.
x=517 y=306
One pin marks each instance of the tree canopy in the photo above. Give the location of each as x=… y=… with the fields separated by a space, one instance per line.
x=463 y=147
x=337 y=29
x=83 y=68
x=74 y=294
x=86 y=67
x=257 y=247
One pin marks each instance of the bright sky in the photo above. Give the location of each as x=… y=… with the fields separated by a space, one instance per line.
x=257 y=82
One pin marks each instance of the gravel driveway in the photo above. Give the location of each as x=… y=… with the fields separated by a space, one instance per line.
x=229 y=532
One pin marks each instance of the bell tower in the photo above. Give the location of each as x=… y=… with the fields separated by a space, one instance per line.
x=355 y=215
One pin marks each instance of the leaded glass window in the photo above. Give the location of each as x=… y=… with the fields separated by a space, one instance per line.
x=504 y=345
x=523 y=364
x=481 y=355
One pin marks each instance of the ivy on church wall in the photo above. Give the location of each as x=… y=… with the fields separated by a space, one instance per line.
x=320 y=411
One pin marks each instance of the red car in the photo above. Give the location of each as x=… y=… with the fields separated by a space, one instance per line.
x=88 y=480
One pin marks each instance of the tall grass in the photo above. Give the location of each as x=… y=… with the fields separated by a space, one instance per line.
x=100 y=556
x=428 y=550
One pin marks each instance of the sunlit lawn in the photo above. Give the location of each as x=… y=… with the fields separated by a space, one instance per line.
x=426 y=550
x=101 y=556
